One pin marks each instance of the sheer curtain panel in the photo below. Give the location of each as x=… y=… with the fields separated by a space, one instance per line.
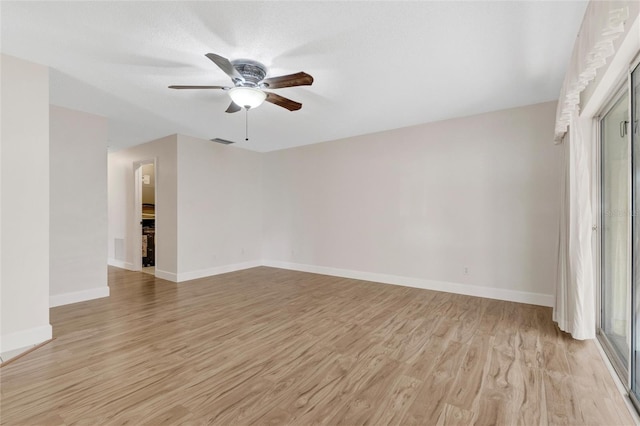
x=574 y=310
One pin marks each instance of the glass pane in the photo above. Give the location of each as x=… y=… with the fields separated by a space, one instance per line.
x=616 y=231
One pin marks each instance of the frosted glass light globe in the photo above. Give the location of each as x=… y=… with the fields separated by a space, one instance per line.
x=247 y=97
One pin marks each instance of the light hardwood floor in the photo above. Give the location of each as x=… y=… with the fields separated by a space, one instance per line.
x=268 y=346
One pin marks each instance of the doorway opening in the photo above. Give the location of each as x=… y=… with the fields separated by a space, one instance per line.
x=145 y=175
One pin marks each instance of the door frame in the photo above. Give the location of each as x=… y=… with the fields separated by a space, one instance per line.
x=633 y=367
x=137 y=207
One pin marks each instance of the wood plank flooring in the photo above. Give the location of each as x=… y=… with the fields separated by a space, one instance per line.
x=269 y=346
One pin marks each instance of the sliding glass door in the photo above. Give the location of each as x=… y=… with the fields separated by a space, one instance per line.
x=634 y=131
x=615 y=297
x=619 y=326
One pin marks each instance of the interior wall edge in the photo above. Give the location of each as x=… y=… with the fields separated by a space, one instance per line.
x=24 y=303
x=539 y=299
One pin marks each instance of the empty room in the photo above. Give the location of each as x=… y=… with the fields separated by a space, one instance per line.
x=320 y=212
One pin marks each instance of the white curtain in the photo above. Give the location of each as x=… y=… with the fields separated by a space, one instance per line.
x=603 y=23
x=574 y=309
x=575 y=293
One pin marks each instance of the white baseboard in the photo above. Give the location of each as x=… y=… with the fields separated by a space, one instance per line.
x=78 y=296
x=540 y=299
x=120 y=264
x=449 y=287
x=193 y=275
x=25 y=338
x=169 y=276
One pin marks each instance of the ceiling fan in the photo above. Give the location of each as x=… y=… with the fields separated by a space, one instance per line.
x=249 y=82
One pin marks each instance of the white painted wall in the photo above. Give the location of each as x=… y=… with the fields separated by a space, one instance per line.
x=121 y=196
x=24 y=280
x=208 y=207
x=415 y=206
x=219 y=209
x=78 y=206
x=418 y=205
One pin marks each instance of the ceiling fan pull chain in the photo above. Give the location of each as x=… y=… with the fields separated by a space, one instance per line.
x=246 y=121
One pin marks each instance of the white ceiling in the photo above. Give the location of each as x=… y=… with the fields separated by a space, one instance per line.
x=377 y=65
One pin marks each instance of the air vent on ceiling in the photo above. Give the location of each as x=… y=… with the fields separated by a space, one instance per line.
x=222 y=141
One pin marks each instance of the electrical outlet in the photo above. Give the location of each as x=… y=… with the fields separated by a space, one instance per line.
x=466 y=270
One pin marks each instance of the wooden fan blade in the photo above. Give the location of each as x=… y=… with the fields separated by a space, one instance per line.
x=283 y=102
x=225 y=65
x=297 y=79
x=199 y=87
x=233 y=107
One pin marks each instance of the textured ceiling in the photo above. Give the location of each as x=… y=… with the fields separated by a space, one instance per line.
x=377 y=65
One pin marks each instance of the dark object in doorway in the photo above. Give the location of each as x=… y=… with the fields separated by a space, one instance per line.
x=149 y=247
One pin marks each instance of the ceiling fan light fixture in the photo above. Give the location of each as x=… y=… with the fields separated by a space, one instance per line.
x=247 y=97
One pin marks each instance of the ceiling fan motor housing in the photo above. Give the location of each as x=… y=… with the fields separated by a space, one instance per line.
x=249 y=82
x=253 y=73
